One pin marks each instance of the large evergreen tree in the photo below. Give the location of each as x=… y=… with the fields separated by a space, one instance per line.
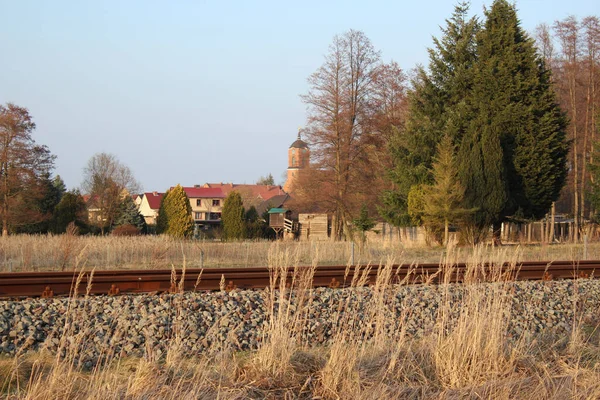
x=513 y=156
x=234 y=227
x=53 y=190
x=162 y=223
x=437 y=107
x=71 y=208
x=178 y=214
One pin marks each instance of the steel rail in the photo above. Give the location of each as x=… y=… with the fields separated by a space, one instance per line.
x=48 y=284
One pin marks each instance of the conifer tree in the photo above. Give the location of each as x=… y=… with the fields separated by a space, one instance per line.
x=514 y=151
x=71 y=208
x=437 y=107
x=179 y=214
x=129 y=214
x=162 y=222
x=234 y=227
x=254 y=224
x=443 y=198
x=363 y=224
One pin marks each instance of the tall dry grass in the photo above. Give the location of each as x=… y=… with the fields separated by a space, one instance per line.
x=467 y=353
x=63 y=252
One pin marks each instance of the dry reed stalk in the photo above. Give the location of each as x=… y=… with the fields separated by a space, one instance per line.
x=52 y=252
x=473 y=347
x=369 y=356
x=283 y=339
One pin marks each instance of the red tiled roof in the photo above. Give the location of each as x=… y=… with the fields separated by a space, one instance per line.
x=154 y=199
x=203 y=192
x=265 y=192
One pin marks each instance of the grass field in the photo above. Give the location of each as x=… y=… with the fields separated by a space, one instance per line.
x=63 y=252
x=466 y=355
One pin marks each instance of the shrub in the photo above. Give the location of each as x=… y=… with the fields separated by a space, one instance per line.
x=126 y=230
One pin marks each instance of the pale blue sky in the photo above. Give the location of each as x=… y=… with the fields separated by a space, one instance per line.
x=197 y=91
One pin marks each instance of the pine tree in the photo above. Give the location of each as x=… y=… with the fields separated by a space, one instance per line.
x=437 y=107
x=363 y=223
x=443 y=198
x=162 y=221
x=53 y=190
x=71 y=208
x=234 y=227
x=129 y=214
x=514 y=151
x=179 y=214
x=254 y=224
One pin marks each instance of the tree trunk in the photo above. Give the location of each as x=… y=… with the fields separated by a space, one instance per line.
x=5 y=205
x=496 y=229
x=446 y=232
x=552 y=214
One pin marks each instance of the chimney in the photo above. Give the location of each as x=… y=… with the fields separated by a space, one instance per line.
x=155 y=193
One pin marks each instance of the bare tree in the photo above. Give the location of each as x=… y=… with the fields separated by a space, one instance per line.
x=107 y=181
x=340 y=106
x=569 y=36
x=545 y=43
x=22 y=165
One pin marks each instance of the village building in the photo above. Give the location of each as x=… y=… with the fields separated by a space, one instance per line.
x=298 y=160
x=149 y=205
x=206 y=204
x=262 y=197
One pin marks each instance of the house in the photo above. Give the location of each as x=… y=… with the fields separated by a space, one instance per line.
x=94 y=212
x=207 y=205
x=137 y=199
x=252 y=195
x=149 y=205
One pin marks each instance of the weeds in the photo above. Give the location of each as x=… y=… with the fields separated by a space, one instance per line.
x=467 y=354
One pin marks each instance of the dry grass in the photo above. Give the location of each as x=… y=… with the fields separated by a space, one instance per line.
x=466 y=355
x=63 y=252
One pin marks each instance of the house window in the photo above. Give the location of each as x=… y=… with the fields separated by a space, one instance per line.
x=198 y=202
x=198 y=215
x=215 y=216
x=216 y=203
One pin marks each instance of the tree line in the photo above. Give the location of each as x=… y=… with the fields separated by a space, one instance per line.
x=497 y=127
x=32 y=201
x=570 y=48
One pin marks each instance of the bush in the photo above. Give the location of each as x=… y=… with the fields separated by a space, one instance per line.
x=126 y=230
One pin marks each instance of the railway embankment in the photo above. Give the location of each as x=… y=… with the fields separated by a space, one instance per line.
x=103 y=326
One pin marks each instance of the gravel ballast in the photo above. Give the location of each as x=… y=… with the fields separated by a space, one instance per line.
x=149 y=324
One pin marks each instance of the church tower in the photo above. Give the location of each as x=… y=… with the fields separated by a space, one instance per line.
x=298 y=159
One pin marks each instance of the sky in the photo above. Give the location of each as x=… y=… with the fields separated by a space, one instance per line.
x=198 y=91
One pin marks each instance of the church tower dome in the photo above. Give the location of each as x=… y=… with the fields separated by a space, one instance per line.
x=298 y=159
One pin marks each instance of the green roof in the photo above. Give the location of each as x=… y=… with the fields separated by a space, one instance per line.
x=277 y=210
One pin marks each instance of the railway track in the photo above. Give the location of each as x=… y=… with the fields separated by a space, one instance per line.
x=49 y=284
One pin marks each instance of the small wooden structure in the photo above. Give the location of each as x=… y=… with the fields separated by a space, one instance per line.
x=279 y=220
x=314 y=226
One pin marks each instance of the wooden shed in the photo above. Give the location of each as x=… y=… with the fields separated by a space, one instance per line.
x=313 y=226
x=279 y=220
